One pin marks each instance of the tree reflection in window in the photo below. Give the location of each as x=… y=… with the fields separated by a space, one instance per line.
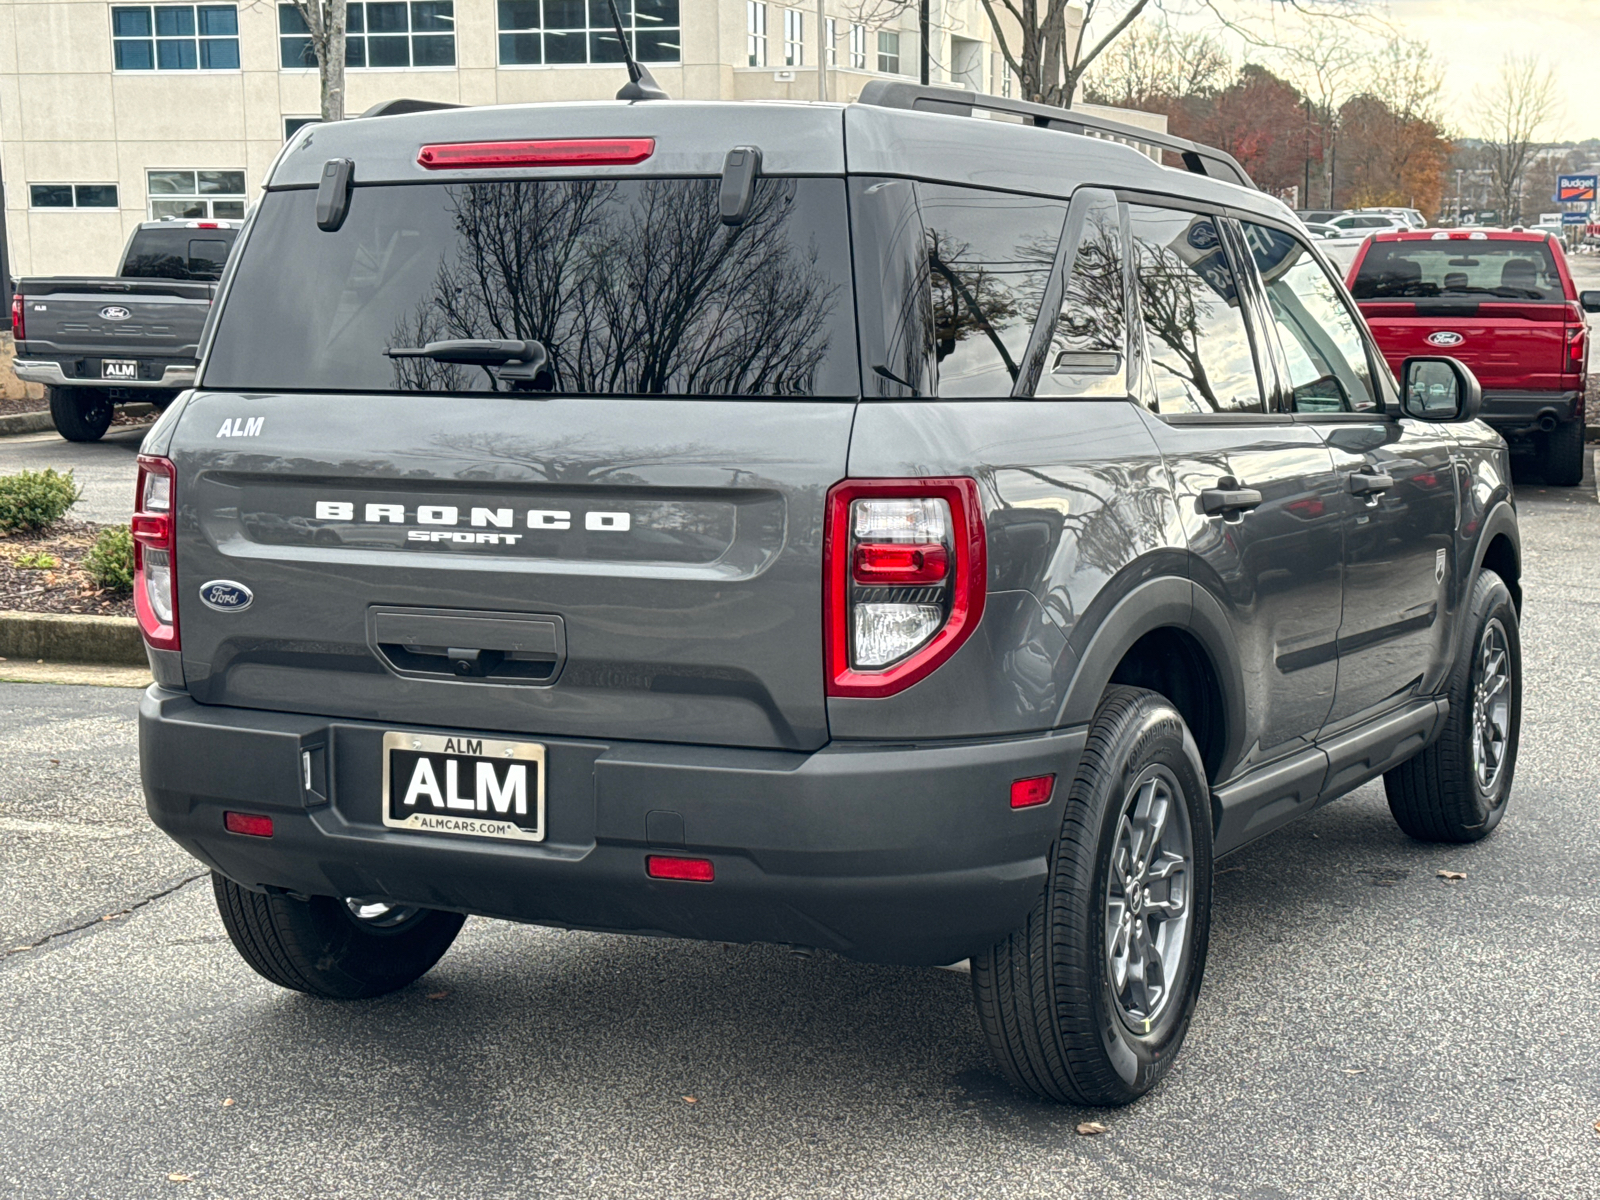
x=1088 y=348
x=633 y=288
x=1199 y=349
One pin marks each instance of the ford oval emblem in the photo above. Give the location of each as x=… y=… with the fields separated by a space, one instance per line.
x=1445 y=337
x=115 y=312
x=225 y=595
x=1202 y=235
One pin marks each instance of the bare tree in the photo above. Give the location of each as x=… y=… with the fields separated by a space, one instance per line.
x=1157 y=60
x=1512 y=112
x=325 y=19
x=1046 y=54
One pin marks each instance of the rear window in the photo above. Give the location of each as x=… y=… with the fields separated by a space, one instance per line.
x=633 y=287
x=1486 y=269
x=178 y=254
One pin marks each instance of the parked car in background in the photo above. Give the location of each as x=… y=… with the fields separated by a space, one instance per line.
x=1318 y=216
x=1501 y=301
x=1409 y=217
x=1366 y=222
x=98 y=342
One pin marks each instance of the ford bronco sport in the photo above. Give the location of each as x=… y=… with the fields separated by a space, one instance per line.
x=858 y=527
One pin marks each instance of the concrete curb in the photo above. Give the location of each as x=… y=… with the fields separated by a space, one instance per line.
x=71 y=637
x=25 y=422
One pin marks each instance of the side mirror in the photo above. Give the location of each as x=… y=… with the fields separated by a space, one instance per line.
x=1439 y=389
x=1590 y=301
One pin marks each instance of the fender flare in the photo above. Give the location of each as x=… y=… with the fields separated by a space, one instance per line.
x=1501 y=519
x=1163 y=602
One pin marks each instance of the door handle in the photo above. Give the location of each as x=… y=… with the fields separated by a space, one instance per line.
x=1228 y=498
x=1362 y=484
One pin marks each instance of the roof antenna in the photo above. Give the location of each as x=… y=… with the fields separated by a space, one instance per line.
x=641 y=84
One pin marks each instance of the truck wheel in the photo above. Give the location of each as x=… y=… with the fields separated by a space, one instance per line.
x=1089 y=1001
x=80 y=414
x=1563 y=454
x=334 y=948
x=1458 y=788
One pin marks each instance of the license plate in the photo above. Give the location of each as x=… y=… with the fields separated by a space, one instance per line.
x=119 y=368
x=472 y=787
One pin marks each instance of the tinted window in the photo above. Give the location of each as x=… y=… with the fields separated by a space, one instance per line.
x=633 y=286
x=1199 y=349
x=1088 y=349
x=989 y=257
x=1328 y=369
x=177 y=253
x=1458 y=267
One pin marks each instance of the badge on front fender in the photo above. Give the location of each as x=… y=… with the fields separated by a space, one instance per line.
x=224 y=595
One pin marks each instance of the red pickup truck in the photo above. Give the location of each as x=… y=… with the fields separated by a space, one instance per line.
x=1501 y=301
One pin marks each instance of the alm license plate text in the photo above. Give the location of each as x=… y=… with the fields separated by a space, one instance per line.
x=467 y=786
x=119 y=368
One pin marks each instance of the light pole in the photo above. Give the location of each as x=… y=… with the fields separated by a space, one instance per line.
x=922 y=36
x=822 y=52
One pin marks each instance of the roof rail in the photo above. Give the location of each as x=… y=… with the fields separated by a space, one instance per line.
x=398 y=108
x=1197 y=159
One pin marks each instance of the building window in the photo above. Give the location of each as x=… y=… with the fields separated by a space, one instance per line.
x=858 y=47
x=218 y=195
x=888 y=52
x=570 y=31
x=1005 y=79
x=833 y=42
x=755 y=27
x=72 y=195
x=175 y=37
x=794 y=38
x=293 y=125
x=416 y=34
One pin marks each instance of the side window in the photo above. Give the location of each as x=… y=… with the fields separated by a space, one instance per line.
x=989 y=257
x=1328 y=366
x=1199 y=350
x=1088 y=354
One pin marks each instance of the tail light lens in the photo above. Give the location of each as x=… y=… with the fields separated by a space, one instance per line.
x=17 y=330
x=1575 y=344
x=904 y=563
x=155 y=597
x=543 y=152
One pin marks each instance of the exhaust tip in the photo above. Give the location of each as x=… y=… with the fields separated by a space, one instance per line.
x=1547 y=422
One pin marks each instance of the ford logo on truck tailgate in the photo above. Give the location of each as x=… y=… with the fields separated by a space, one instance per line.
x=115 y=312
x=1445 y=337
x=224 y=595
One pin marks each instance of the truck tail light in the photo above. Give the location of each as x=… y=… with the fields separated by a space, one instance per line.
x=904 y=568
x=543 y=152
x=17 y=330
x=155 y=596
x=1575 y=343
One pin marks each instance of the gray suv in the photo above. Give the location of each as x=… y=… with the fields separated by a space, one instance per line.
x=863 y=527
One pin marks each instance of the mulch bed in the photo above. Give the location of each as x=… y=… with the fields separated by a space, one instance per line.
x=66 y=588
x=120 y=417
x=21 y=405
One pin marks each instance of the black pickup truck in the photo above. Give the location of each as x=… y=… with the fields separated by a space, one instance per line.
x=98 y=342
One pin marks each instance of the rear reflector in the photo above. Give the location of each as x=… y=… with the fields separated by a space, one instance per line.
x=695 y=870
x=1026 y=793
x=547 y=152
x=248 y=824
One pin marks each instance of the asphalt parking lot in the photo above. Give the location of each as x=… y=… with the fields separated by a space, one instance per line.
x=1367 y=1028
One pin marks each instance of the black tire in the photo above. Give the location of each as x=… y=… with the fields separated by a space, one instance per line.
x=1440 y=794
x=80 y=414
x=1563 y=454
x=1046 y=995
x=320 y=946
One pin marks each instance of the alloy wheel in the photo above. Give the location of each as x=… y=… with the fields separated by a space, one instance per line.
x=1491 y=705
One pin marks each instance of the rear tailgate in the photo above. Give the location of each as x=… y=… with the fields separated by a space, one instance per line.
x=113 y=318
x=1509 y=346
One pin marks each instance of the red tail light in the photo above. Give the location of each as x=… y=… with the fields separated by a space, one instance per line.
x=692 y=870
x=17 y=330
x=904 y=567
x=547 y=152
x=155 y=567
x=1575 y=343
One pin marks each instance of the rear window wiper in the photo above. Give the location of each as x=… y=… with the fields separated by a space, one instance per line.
x=505 y=360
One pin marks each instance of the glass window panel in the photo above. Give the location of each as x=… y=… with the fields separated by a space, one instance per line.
x=230 y=183
x=388 y=52
x=296 y=52
x=566 y=47
x=563 y=14
x=290 y=20
x=96 y=195
x=989 y=257
x=171 y=183
x=175 y=21
x=1199 y=349
x=175 y=56
x=161 y=209
x=1088 y=354
x=1328 y=367
x=657 y=45
x=600 y=13
x=432 y=16
x=433 y=51
x=219 y=54
x=386 y=18
x=521 y=49
x=228 y=210
x=656 y=12
x=50 y=195
x=134 y=56
x=293 y=125
x=130 y=22
x=519 y=14
x=355 y=53
x=604 y=48
x=219 y=20
x=355 y=19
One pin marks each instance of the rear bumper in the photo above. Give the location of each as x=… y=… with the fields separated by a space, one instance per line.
x=49 y=373
x=1523 y=412
x=887 y=853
